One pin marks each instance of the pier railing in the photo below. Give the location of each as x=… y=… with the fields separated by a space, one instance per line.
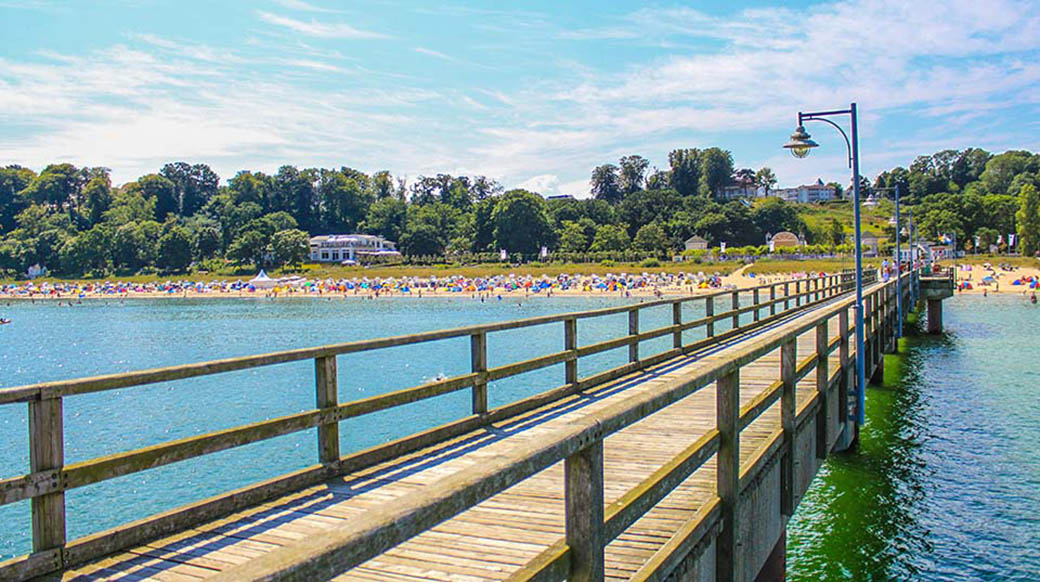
x=579 y=555
x=49 y=477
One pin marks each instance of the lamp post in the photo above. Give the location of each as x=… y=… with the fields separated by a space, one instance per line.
x=800 y=144
x=899 y=263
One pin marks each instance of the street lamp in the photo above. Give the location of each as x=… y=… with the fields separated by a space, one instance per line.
x=800 y=144
x=899 y=263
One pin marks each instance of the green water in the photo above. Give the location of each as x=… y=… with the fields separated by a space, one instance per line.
x=945 y=484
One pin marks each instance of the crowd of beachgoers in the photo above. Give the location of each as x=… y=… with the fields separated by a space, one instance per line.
x=623 y=284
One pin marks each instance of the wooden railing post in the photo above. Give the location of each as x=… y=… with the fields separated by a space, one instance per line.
x=772 y=299
x=735 y=306
x=326 y=384
x=478 y=359
x=755 y=300
x=633 y=330
x=788 y=404
x=709 y=312
x=570 y=343
x=677 y=322
x=847 y=370
x=583 y=493
x=727 y=474
x=47 y=453
x=823 y=417
x=798 y=293
x=787 y=296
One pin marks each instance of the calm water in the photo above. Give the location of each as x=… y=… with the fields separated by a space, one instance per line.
x=946 y=483
x=48 y=342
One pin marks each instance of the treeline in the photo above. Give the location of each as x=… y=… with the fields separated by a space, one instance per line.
x=75 y=222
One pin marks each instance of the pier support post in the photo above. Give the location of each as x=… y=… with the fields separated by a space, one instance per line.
x=727 y=475
x=775 y=568
x=935 y=315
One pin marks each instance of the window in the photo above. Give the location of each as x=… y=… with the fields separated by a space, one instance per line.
x=325 y=255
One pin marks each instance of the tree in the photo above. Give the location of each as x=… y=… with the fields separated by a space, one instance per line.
x=716 y=169
x=836 y=233
x=652 y=238
x=572 y=238
x=162 y=191
x=605 y=184
x=58 y=185
x=774 y=215
x=129 y=247
x=746 y=178
x=610 y=237
x=987 y=236
x=97 y=195
x=685 y=170
x=646 y=206
x=633 y=172
x=290 y=247
x=13 y=179
x=344 y=200
x=1002 y=169
x=174 y=252
x=1028 y=217
x=765 y=179
x=248 y=247
x=521 y=222
x=194 y=185
x=386 y=217
x=86 y=252
x=422 y=239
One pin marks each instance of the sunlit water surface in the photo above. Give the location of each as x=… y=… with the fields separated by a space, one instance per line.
x=946 y=482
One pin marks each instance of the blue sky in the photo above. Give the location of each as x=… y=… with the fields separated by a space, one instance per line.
x=533 y=94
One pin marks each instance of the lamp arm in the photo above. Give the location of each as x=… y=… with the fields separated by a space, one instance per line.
x=848 y=144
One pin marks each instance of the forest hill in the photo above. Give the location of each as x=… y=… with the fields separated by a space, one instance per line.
x=75 y=222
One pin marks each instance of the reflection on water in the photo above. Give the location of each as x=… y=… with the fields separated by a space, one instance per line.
x=944 y=485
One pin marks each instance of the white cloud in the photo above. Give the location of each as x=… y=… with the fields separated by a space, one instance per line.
x=304 y=6
x=545 y=184
x=319 y=29
x=436 y=54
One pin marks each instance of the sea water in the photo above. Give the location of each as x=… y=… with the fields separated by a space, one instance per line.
x=945 y=484
x=48 y=342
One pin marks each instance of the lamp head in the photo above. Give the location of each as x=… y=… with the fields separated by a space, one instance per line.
x=800 y=143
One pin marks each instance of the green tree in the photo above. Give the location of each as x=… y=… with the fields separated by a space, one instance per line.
x=716 y=170
x=87 y=252
x=685 y=172
x=290 y=247
x=774 y=215
x=572 y=238
x=521 y=222
x=987 y=236
x=248 y=247
x=422 y=239
x=1028 y=217
x=130 y=248
x=194 y=185
x=610 y=237
x=13 y=179
x=174 y=251
x=605 y=184
x=632 y=173
x=164 y=193
x=652 y=238
x=765 y=179
x=97 y=195
x=386 y=217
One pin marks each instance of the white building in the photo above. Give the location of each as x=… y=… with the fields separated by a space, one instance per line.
x=818 y=192
x=343 y=247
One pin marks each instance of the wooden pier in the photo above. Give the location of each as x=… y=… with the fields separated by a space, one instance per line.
x=685 y=464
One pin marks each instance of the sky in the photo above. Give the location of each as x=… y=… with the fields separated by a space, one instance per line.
x=533 y=94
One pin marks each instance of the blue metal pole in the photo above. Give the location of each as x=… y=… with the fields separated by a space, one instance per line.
x=899 y=273
x=861 y=366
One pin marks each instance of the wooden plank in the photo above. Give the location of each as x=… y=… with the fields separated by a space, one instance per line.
x=633 y=330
